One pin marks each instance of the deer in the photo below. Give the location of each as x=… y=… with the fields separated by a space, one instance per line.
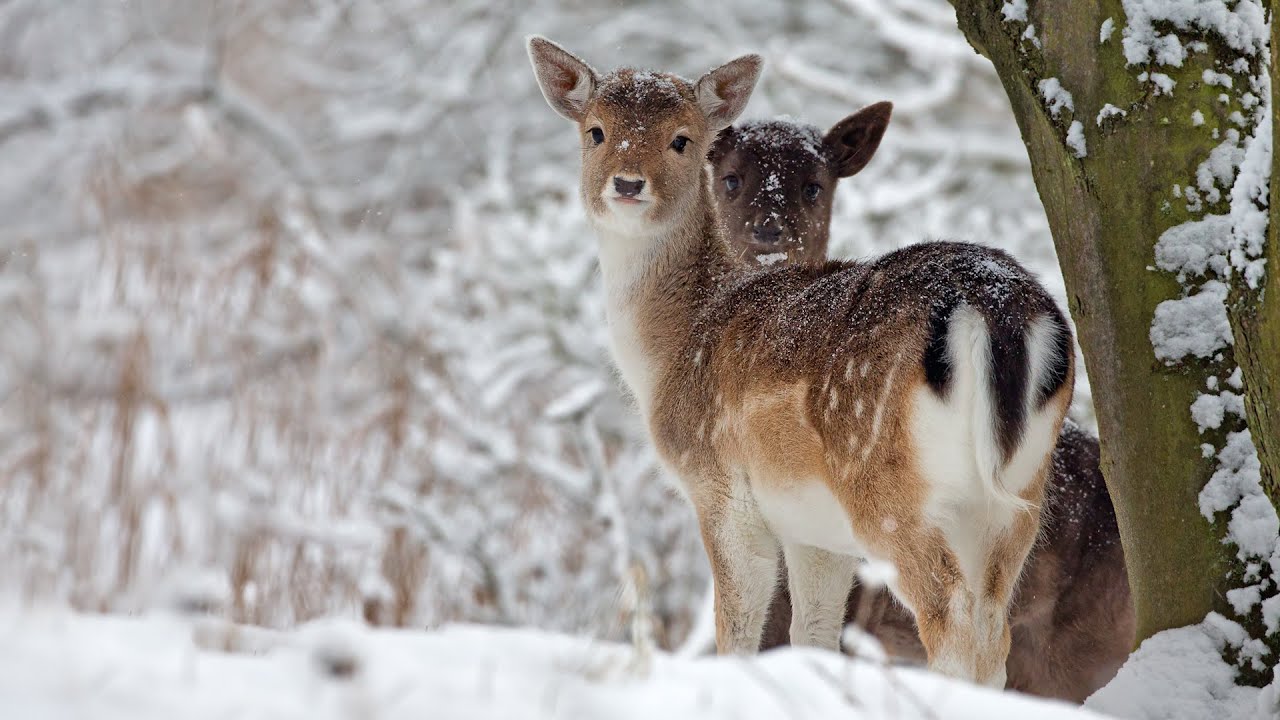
x=901 y=409
x=1072 y=617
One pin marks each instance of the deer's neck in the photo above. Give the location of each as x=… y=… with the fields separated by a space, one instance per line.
x=654 y=286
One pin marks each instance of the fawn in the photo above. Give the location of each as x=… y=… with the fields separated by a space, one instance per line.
x=1072 y=615
x=902 y=409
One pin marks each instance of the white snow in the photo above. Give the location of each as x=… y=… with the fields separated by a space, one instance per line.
x=1250 y=200
x=1168 y=50
x=1192 y=325
x=1075 y=139
x=1271 y=613
x=1030 y=35
x=155 y=668
x=1241 y=25
x=1014 y=11
x=771 y=258
x=1253 y=526
x=1180 y=675
x=1109 y=110
x=1164 y=84
x=1055 y=96
x=1209 y=410
x=1104 y=32
x=1196 y=247
x=1215 y=78
x=1218 y=172
x=1197 y=118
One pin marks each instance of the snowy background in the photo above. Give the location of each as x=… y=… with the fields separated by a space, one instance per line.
x=299 y=315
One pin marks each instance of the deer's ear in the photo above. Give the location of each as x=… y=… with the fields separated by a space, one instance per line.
x=853 y=141
x=566 y=82
x=723 y=93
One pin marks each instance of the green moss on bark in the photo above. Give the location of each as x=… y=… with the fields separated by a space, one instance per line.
x=1106 y=211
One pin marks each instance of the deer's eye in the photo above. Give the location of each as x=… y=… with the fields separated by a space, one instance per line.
x=731 y=183
x=679 y=143
x=812 y=191
x=597 y=135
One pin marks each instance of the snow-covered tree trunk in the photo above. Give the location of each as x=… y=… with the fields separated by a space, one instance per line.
x=1145 y=126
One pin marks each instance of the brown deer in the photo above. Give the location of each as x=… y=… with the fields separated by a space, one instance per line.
x=1072 y=615
x=901 y=409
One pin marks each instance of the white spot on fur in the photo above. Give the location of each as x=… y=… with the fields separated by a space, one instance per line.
x=857 y=408
x=878 y=416
x=866 y=367
x=848 y=371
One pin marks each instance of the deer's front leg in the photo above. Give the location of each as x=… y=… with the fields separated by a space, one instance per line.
x=744 y=566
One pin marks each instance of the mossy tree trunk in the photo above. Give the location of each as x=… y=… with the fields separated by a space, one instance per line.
x=1106 y=211
x=1263 y=400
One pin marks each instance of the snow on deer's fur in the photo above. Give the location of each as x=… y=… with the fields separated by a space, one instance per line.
x=1072 y=615
x=901 y=409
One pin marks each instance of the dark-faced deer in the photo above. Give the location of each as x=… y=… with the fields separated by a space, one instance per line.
x=1072 y=616
x=902 y=409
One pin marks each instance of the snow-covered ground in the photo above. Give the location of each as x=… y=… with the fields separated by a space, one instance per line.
x=1180 y=675
x=55 y=666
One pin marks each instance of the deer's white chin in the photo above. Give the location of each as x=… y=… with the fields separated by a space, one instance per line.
x=626 y=216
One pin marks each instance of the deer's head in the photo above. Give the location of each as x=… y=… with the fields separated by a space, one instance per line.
x=775 y=180
x=644 y=134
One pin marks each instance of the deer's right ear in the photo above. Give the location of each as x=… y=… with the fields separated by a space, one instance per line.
x=854 y=140
x=723 y=93
x=567 y=83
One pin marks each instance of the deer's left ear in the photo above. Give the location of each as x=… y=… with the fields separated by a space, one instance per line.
x=723 y=93
x=567 y=82
x=853 y=141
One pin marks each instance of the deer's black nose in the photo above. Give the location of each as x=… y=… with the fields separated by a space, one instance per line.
x=766 y=233
x=627 y=188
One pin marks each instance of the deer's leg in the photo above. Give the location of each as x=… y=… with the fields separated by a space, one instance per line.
x=819 y=583
x=932 y=586
x=964 y=621
x=744 y=566
x=1006 y=556
x=777 y=625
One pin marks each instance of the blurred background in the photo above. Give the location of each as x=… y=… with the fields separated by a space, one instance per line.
x=299 y=314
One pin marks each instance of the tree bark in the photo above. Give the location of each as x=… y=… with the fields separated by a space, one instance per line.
x=1106 y=212
x=1262 y=400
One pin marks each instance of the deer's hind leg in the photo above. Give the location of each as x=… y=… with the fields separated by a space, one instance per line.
x=963 y=618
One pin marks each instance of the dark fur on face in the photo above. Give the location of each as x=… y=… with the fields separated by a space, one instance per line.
x=775 y=181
